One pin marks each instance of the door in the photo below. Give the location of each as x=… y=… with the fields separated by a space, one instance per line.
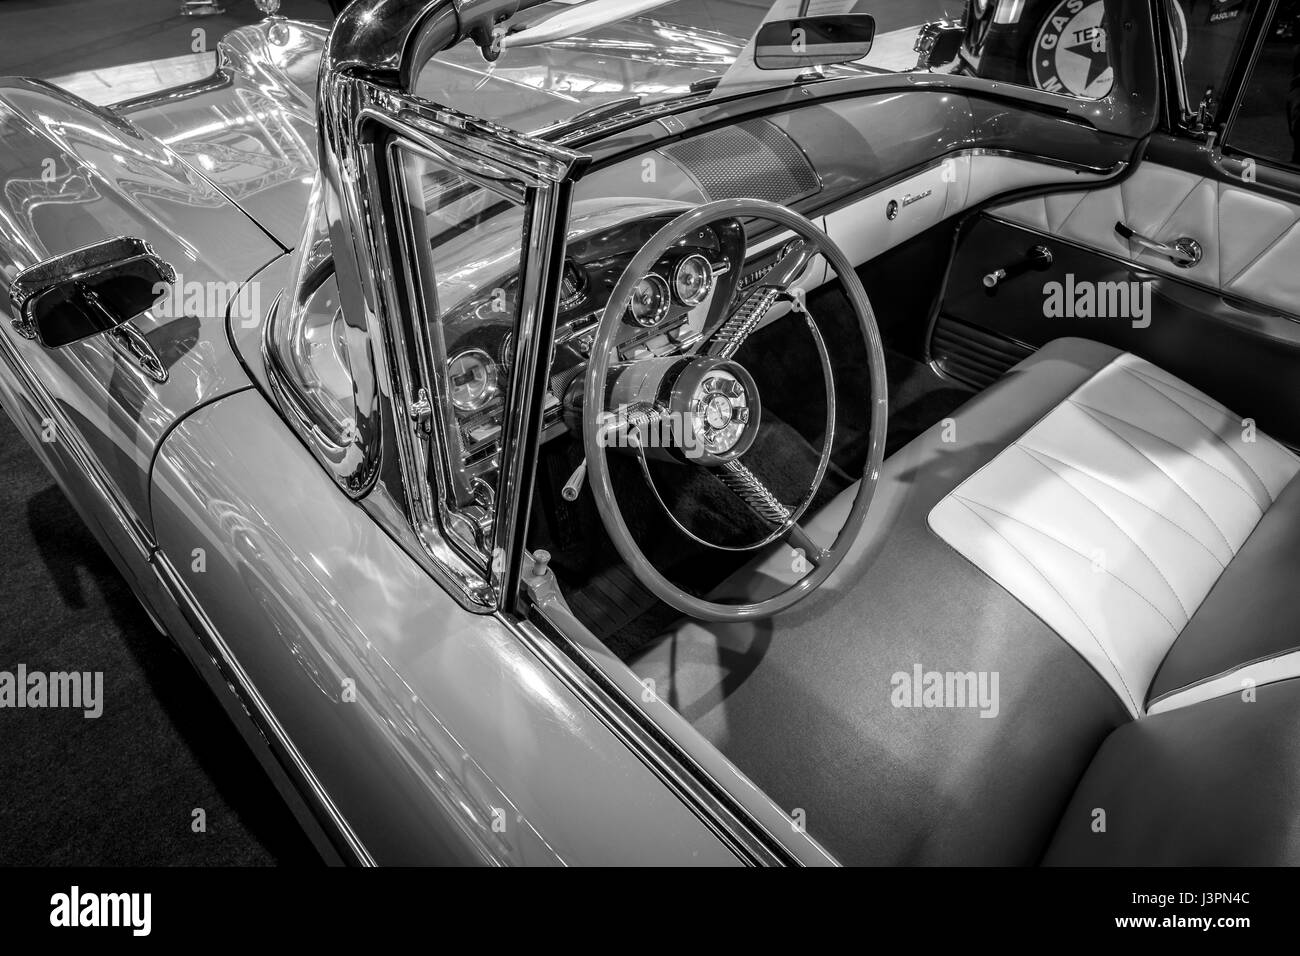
x=1189 y=259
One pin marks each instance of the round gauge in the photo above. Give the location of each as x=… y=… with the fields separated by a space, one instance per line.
x=649 y=302
x=473 y=378
x=693 y=280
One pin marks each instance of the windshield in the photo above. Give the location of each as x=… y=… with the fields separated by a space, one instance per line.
x=642 y=59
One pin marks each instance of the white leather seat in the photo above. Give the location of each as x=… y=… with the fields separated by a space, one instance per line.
x=1117 y=513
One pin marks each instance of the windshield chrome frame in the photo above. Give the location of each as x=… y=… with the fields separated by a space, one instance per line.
x=362 y=103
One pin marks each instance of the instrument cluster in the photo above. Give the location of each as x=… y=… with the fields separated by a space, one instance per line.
x=666 y=313
x=653 y=296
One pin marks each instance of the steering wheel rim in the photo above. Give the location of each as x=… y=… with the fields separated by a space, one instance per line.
x=598 y=471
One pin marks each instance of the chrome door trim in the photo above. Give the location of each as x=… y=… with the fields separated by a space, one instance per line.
x=715 y=804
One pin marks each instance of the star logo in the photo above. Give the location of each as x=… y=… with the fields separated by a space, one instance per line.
x=1071 y=53
x=1092 y=49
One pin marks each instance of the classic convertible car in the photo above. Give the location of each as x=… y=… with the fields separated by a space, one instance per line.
x=560 y=435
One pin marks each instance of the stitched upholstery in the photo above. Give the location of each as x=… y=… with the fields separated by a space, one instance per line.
x=1116 y=513
x=1250 y=242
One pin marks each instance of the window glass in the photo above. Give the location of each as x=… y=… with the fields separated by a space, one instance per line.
x=1208 y=35
x=1267 y=124
x=467 y=240
x=1060 y=46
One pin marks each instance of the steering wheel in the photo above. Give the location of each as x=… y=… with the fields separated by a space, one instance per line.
x=708 y=405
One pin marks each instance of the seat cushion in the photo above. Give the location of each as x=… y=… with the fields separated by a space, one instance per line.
x=806 y=703
x=1246 y=628
x=1116 y=514
x=1212 y=784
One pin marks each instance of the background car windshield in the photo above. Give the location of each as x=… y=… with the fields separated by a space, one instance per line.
x=643 y=59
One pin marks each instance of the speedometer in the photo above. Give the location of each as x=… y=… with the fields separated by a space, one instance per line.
x=693 y=280
x=472 y=376
x=649 y=302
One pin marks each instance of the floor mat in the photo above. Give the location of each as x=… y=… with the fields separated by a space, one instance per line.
x=918 y=398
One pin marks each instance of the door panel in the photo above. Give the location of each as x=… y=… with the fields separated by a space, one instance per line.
x=1250 y=241
x=1228 y=321
x=1229 y=324
x=1246 y=357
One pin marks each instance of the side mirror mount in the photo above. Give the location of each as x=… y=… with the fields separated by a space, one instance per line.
x=88 y=291
x=938 y=43
x=814 y=41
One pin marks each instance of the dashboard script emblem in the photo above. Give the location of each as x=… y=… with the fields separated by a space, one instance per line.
x=1070 y=54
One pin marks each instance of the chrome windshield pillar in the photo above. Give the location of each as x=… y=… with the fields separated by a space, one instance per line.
x=364 y=102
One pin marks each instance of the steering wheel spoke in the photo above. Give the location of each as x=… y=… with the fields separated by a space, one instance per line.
x=771 y=289
x=805 y=547
x=754 y=492
x=749 y=488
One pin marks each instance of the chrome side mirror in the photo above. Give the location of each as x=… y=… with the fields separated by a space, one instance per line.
x=88 y=291
x=814 y=41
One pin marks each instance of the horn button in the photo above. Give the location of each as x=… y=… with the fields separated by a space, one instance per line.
x=718 y=402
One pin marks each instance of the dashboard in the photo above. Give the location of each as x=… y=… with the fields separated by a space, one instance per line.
x=673 y=307
x=869 y=193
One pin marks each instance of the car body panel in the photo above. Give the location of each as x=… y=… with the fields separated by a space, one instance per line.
x=456 y=724
x=74 y=174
